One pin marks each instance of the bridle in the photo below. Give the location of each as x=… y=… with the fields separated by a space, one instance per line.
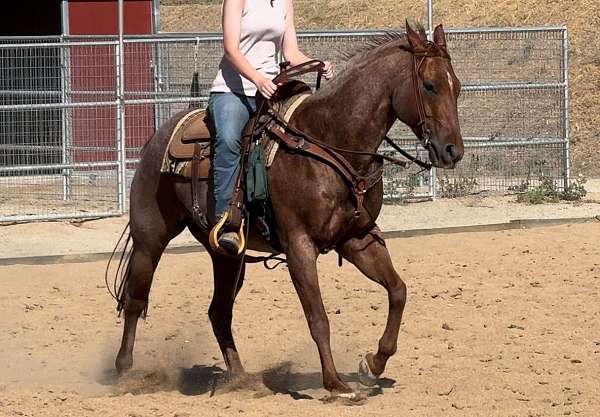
x=431 y=50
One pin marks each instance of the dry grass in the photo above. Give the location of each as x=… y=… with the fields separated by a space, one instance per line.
x=581 y=16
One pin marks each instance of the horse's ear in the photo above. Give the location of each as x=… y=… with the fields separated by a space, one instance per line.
x=413 y=37
x=439 y=36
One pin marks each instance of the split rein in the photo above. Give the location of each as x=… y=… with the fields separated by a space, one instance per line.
x=317 y=66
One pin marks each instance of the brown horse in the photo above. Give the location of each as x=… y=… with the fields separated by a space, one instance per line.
x=314 y=209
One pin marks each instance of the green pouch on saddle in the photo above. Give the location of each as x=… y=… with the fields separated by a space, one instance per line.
x=256 y=176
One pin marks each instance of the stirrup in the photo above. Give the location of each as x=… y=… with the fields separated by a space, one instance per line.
x=213 y=237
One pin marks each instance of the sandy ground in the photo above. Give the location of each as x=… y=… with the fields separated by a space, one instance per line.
x=497 y=324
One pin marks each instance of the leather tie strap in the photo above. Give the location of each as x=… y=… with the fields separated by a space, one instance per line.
x=197 y=215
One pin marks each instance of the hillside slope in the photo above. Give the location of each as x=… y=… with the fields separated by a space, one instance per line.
x=581 y=16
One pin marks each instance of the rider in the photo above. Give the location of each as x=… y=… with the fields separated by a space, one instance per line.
x=255 y=32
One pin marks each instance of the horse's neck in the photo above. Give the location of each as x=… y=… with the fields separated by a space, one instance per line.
x=354 y=113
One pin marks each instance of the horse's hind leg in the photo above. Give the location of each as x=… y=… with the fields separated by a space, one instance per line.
x=142 y=265
x=147 y=250
x=227 y=284
x=372 y=258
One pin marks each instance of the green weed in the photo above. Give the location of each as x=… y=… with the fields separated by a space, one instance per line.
x=456 y=187
x=548 y=192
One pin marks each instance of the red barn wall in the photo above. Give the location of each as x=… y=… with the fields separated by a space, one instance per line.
x=93 y=69
x=99 y=17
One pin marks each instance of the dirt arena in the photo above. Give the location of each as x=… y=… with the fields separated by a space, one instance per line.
x=497 y=324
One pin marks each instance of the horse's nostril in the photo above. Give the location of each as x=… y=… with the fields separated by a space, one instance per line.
x=453 y=153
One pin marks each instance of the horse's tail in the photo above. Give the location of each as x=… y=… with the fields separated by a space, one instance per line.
x=121 y=275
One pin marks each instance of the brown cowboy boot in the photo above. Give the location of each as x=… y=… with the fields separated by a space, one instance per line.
x=227 y=238
x=230 y=242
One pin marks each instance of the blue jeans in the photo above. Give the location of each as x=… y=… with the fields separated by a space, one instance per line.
x=229 y=114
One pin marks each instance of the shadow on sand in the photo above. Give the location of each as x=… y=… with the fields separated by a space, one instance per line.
x=281 y=379
x=202 y=379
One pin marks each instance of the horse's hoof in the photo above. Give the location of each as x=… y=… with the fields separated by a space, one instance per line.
x=123 y=365
x=122 y=371
x=348 y=395
x=348 y=398
x=365 y=376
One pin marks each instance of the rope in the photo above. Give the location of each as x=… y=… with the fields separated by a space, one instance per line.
x=265 y=260
x=196 y=54
x=115 y=292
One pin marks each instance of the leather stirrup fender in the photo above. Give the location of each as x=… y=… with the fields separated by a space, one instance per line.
x=197 y=215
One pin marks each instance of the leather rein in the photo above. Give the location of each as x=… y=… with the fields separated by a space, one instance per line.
x=295 y=139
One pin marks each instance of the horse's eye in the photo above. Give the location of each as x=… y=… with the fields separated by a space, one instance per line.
x=429 y=86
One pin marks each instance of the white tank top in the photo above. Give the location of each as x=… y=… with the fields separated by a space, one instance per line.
x=261 y=38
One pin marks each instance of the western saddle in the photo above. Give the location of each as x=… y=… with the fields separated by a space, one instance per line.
x=191 y=134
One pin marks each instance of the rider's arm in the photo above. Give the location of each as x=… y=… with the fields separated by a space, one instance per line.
x=291 y=51
x=232 y=27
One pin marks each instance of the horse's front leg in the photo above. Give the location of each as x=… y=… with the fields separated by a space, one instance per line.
x=302 y=263
x=372 y=258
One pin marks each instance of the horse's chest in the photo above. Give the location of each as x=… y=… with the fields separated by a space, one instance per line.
x=309 y=197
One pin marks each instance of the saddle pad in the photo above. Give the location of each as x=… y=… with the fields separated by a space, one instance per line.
x=288 y=108
x=191 y=128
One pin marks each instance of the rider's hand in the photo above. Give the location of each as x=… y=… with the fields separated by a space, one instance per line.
x=328 y=70
x=266 y=87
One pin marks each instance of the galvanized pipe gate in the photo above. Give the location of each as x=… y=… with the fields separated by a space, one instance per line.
x=75 y=111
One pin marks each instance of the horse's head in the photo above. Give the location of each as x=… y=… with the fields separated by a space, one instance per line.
x=427 y=99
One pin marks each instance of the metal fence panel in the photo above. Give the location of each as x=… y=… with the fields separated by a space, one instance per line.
x=490 y=57
x=57 y=129
x=513 y=110
x=66 y=106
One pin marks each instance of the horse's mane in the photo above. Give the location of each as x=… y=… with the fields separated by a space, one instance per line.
x=364 y=52
x=386 y=39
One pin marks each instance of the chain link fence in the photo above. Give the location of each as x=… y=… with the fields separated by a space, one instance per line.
x=72 y=120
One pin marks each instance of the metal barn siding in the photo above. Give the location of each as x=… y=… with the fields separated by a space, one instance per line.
x=93 y=76
x=99 y=17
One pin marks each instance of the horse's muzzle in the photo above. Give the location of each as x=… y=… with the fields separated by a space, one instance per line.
x=445 y=155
